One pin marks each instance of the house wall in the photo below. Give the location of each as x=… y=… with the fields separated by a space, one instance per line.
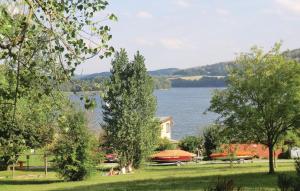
x=166 y=130
x=295 y=153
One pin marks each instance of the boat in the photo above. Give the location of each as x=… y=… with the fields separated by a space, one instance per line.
x=238 y=155
x=111 y=157
x=172 y=156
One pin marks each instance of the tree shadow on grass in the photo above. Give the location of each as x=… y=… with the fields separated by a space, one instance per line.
x=248 y=180
x=36 y=170
x=203 y=167
x=27 y=182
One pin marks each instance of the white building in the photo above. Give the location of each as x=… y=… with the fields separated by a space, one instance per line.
x=166 y=125
x=295 y=152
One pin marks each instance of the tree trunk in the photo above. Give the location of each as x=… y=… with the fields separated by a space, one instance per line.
x=123 y=170
x=13 y=170
x=271 y=162
x=46 y=164
x=129 y=168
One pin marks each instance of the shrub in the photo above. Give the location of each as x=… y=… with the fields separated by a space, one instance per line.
x=211 y=136
x=191 y=144
x=72 y=149
x=285 y=182
x=223 y=185
x=165 y=144
x=297 y=165
x=284 y=155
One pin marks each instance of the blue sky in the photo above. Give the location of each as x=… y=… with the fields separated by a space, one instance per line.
x=188 y=33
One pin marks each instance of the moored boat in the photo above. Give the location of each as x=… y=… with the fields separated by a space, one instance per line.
x=170 y=156
x=237 y=155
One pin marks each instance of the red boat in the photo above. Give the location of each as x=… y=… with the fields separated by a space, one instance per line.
x=238 y=155
x=111 y=158
x=170 y=156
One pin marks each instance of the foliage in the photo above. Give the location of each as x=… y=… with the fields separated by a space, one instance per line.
x=165 y=144
x=72 y=148
x=262 y=101
x=129 y=110
x=41 y=43
x=223 y=184
x=161 y=83
x=287 y=142
x=191 y=144
x=297 y=166
x=290 y=183
x=211 y=139
x=34 y=123
x=285 y=182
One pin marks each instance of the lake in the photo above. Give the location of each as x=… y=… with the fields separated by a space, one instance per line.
x=185 y=105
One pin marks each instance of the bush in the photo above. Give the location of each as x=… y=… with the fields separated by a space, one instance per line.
x=285 y=182
x=212 y=140
x=297 y=165
x=223 y=185
x=165 y=144
x=191 y=144
x=72 y=149
x=284 y=155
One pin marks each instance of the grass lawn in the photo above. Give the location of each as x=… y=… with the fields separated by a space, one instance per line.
x=188 y=177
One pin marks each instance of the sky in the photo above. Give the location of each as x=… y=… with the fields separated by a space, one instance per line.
x=189 y=33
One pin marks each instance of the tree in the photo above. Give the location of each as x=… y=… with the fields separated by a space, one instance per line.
x=262 y=100
x=41 y=43
x=34 y=124
x=191 y=144
x=73 y=148
x=211 y=139
x=129 y=110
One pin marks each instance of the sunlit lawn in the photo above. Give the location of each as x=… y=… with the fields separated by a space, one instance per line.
x=187 y=177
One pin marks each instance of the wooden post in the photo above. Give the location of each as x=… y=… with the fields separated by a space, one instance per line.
x=27 y=161
x=13 y=170
x=46 y=164
x=275 y=165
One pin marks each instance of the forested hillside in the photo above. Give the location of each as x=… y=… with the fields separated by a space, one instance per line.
x=213 y=75
x=219 y=69
x=293 y=54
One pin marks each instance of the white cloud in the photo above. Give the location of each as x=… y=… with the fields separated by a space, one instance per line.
x=144 y=15
x=172 y=43
x=290 y=5
x=222 y=12
x=144 y=42
x=183 y=3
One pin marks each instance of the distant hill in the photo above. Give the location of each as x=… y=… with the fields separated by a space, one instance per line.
x=161 y=72
x=164 y=72
x=219 y=69
x=213 y=75
x=293 y=54
x=92 y=76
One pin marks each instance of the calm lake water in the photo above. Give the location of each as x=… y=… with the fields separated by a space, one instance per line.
x=185 y=105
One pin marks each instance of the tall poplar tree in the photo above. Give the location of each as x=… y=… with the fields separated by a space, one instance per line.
x=129 y=110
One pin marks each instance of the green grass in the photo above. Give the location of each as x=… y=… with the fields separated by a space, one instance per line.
x=36 y=159
x=188 y=177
